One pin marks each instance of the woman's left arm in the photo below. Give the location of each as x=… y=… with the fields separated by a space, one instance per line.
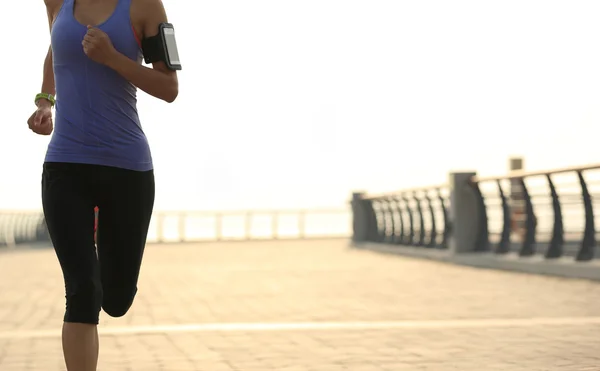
x=158 y=81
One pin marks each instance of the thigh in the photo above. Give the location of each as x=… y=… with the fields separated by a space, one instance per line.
x=69 y=213
x=124 y=212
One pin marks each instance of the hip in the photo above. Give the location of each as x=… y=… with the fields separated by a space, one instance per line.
x=135 y=156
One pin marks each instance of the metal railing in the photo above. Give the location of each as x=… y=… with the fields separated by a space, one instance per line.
x=415 y=217
x=18 y=227
x=22 y=227
x=188 y=226
x=548 y=213
x=545 y=213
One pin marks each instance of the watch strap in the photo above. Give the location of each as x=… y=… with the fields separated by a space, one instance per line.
x=49 y=97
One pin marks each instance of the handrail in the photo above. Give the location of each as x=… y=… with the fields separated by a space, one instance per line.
x=516 y=174
x=373 y=196
x=303 y=231
x=251 y=211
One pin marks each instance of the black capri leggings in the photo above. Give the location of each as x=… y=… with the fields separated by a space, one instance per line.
x=103 y=277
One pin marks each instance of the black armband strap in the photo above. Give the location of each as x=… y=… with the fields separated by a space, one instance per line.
x=151 y=47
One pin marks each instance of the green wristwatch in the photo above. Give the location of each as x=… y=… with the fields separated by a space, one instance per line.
x=48 y=97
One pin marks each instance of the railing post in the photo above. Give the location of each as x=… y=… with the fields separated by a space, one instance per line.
x=379 y=221
x=181 y=227
x=464 y=213
x=248 y=225
x=588 y=243
x=391 y=211
x=555 y=249
x=421 y=241
x=379 y=213
x=302 y=224
x=433 y=234
x=360 y=221
x=218 y=227
x=3 y=230
x=447 y=223
x=411 y=222
x=504 y=243
x=517 y=200
x=42 y=229
x=159 y=228
x=483 y=233
x=399 y=238
x=10 y=240
x=20 y=221
x=275 y=224
x=373 y=229
x=528 y=248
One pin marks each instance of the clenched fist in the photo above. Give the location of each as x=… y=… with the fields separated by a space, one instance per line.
x=97 y=45
x=40 y=122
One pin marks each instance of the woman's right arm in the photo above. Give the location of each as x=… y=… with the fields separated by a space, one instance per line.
x=48 y=87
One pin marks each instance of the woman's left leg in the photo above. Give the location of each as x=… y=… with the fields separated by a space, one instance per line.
x=124 y=213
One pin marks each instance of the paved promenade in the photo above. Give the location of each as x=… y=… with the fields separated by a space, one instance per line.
x=308 y=306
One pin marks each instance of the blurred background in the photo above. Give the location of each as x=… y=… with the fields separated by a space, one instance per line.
x=293 y=105
x=340 y=121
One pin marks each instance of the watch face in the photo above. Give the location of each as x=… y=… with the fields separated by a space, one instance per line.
x=48 y=97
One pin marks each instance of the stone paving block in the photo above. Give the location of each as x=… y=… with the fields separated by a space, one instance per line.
x=304 y=281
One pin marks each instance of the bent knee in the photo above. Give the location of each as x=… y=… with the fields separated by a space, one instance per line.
x=116 y=303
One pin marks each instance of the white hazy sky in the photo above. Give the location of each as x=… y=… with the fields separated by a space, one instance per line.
x=288 y=104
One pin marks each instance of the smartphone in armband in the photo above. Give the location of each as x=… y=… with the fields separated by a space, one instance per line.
x=162 y=47
x=170 y=45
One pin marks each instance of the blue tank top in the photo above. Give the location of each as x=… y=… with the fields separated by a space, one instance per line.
x=96 y=118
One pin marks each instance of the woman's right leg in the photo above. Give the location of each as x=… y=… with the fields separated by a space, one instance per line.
x=69 y=212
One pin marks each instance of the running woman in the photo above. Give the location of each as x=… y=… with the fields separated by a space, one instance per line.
x=98 y=156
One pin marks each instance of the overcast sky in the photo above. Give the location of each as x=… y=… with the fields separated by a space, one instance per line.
x=289 y=104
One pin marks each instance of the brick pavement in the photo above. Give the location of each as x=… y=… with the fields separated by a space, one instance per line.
x=306 y=282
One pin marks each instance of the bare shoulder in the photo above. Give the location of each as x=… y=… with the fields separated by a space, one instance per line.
x=52 y=9
x=147 y=15
x=53 y=5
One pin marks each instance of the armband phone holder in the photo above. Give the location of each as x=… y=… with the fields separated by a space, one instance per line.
x=162 y=47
